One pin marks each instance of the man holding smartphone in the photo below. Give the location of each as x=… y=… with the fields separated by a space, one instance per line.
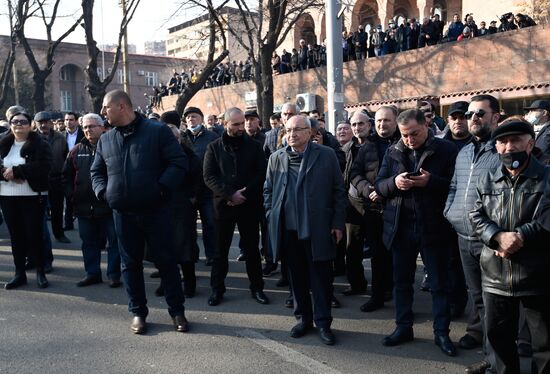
x=414 y=179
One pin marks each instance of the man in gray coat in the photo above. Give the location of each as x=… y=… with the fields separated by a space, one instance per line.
x=305 y=202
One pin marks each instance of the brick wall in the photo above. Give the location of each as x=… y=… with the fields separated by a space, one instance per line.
x=508 y=59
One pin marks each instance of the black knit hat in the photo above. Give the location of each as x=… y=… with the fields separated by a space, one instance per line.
x=171 y=117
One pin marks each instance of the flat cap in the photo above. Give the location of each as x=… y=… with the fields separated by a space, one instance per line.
x=171 y=117
x=42 y=116
x=539 y=104
x=513 y=128
x=192 y=109
x=251 y=113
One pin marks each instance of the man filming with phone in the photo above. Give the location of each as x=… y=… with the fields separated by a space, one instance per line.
x=414 y=179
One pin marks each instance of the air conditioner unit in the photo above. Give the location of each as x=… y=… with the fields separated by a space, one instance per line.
x=306 y=102
x=140 y=73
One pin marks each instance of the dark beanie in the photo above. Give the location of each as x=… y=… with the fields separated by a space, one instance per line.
x=171 y=117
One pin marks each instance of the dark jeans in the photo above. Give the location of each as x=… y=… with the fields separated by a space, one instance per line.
x=406 y=247
x=355 y=243
x=24 y=217
x=56 y=198
x=155 y=228
x=458 y=294
x=381 y=260
x=501 y=324
x=205 y=206
x=248 y=225
x=305 y=275
x=94 y=232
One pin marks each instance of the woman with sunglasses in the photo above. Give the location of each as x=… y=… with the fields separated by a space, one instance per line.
x=26 y=162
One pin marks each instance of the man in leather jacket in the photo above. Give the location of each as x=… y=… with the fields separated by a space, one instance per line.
x=515 y=258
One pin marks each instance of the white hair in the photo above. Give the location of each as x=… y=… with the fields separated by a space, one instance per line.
x=94 y=117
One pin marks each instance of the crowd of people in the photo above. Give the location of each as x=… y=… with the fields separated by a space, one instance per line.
x=470 y=195
x=366 y=42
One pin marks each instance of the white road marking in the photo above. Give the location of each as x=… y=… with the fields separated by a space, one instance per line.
x=288 y=354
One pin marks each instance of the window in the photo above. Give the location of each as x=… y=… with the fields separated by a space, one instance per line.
x=120 y=77
x=66 y=101
x=66 y=73
x=151 y=78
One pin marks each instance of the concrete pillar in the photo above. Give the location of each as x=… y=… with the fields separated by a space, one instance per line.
x=384 y=14
x=424 y=8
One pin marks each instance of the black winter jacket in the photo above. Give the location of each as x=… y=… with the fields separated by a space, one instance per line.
x=438 y=158
x=473 y=160
x=229 y=168
x=78 y=182
x=38 y=160
x=139 y=170
x=59 y=150
x=506 y=205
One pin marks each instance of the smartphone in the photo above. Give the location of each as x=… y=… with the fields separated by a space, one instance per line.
x=413 y=174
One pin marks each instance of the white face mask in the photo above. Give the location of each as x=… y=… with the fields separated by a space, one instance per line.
x=195 y=129
x=533 y=118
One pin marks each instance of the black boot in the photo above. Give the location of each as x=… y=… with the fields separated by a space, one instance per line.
x=19 y=279
x=41 y=278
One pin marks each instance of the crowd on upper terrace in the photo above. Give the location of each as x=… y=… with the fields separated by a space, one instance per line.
x=366 y=42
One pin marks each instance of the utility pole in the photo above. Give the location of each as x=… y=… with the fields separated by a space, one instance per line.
x=125 y=64
x=335 y=91
x=14 y=69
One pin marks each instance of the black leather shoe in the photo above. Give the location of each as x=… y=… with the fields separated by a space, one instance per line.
x=283 y=282
x=326 y=335
x=208 y=261
x=18 y=280
x=29 y=265
x=289 y=302
x=63 y=239
x=215 y=299
x=425 y=285
x=446 y=345
x=371 y=305
x=155 y=274
x=138 y=325
x=260 y=297
x=334 y=303
x=115 y=283
x=468 y=342
x=88 y=280
x=241 y=257
x=353 y=291
x=525 y=350
x=180 y=323
x=300 y=330
x=477 y=367
x=398 y=336
x=48 y=268
x=41 y=278
x=269 y=269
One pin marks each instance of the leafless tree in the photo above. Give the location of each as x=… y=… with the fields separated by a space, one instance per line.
x=26 y=9
x=7 y=68
x=216 y=27
x=96 y=85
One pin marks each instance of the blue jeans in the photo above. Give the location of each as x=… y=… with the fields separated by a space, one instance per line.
x=134 y=230
x=405 y=249
x=94 y=232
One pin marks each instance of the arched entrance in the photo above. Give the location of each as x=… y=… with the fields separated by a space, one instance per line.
x=365 y=13
x=305 y=29
x=402 y=10
x=440 y=7
x=71 y=88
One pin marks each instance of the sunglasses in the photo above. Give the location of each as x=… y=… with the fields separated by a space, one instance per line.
x=19 y=122
x=479 y=113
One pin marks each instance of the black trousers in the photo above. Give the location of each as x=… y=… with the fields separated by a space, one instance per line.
x=248 y=225
x=381 y=260
x=355 y=235
x=56 y=198
x=24 y=216
x=501 y=324
x=306 y=275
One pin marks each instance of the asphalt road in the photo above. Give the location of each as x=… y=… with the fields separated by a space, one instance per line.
x=65 y=329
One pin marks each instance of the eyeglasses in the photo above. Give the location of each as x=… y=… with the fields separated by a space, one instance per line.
x=479 y=113
x=89 y=127
x=19 y=122
x=296 y=129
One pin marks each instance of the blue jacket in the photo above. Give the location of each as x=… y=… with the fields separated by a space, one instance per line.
x=137 y=171
x=438 y=158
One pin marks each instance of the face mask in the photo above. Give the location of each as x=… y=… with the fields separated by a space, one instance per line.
x=195 y=130
x=513 y=160
x=533 y=118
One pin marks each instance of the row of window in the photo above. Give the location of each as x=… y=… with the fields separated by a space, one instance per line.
x=68 y=73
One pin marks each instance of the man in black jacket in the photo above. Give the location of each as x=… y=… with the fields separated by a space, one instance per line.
x=73 y=134
x=538 y=115
x=137 y=167
x=365 y=199
x=95 y=218
x=515 y=258
x=414 y=179
x=234 y=169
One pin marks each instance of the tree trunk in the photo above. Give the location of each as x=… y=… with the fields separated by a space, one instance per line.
x=38 y=93
x=264 y=84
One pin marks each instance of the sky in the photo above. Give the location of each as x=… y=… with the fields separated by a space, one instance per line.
x=151 y=21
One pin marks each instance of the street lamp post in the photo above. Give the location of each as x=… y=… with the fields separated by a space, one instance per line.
x=125 y=63
x=335 y=92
